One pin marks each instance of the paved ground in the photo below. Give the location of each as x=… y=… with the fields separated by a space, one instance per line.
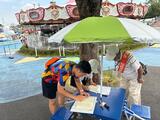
x=151 y=92
x=36 y=108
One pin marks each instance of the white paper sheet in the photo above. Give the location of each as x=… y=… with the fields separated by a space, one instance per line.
x=97 y=89
x=85 y=106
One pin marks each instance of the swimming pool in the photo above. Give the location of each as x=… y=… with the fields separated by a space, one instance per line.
x=9 y=47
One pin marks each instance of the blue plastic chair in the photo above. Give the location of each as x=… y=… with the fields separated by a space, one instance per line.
x=130 y=114
x=136 y=111
x=142 y=111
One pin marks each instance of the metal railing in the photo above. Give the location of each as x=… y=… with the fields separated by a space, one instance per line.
x=8 y=48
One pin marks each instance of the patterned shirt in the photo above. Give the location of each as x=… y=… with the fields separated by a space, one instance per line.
x=61 y=71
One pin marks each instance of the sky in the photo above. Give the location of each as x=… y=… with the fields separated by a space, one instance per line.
x=8 y=8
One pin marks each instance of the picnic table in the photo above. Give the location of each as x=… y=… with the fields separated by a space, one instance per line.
x=115 y=100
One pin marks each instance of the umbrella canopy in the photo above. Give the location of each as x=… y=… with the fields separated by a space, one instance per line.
x=59 y=36
x=106 y=30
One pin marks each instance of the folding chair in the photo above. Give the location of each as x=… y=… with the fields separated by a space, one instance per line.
x=137 y=111
x=142 y=111
x=130 y=114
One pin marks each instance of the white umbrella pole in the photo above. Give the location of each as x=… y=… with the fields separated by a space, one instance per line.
x=103 y=104
x=104 y=47
x=101 y=82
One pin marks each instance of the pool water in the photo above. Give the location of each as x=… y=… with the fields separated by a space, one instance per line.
x=9 y=46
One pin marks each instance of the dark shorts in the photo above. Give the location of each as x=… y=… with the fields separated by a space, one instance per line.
x=49 y=90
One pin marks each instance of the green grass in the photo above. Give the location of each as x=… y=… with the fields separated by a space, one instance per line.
x=44 y=53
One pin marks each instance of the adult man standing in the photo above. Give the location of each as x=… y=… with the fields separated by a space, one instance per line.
x=130 y=70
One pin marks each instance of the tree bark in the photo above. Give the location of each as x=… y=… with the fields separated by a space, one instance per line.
x=89 y=51
x=88 y=8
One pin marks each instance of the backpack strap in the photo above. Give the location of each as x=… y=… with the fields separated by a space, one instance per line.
x=123 y=61
x=50 y=62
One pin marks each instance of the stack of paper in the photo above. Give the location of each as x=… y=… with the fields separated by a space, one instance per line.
x=85 y=106
x=97 y=89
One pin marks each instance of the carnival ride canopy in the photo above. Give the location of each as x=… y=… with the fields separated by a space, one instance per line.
x=35 y=14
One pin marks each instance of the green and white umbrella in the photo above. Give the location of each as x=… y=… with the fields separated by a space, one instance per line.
x=106 y=30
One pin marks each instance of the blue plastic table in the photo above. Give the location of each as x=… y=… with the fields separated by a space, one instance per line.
x=115 y=101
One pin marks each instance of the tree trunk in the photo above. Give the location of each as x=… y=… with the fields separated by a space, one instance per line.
x=86 y=9
x=89 y=51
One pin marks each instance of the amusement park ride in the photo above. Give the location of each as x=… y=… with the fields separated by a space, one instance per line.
x=51 y=19
x=69 y=12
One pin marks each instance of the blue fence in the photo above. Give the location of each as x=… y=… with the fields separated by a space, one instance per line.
x=9 y=47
